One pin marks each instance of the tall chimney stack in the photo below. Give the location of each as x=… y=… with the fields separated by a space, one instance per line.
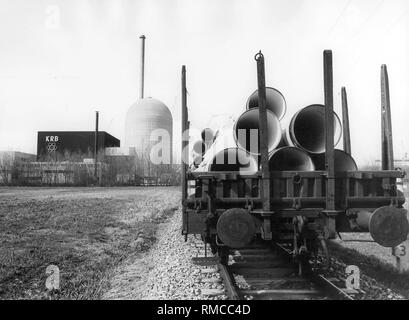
x=142 y=37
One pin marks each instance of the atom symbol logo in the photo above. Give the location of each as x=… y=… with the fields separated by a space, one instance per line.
x=52 y=147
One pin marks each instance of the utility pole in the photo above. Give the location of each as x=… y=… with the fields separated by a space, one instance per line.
x=96 y=147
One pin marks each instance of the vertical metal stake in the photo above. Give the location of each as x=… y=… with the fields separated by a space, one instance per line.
x=329 y=142
x=386 y=121
x=263 y=131
x=387 y=144
x=184 y=151
x=345 y=122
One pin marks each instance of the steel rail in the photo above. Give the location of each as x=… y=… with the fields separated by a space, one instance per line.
x=320 y=279
x=330 y=285
x=229 y=283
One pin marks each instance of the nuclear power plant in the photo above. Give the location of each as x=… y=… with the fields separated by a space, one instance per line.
x=149 y=122
x=147 y=119
x=144 y=159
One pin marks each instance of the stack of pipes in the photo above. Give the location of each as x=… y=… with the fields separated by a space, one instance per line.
x=294 y=145
x=200 y=147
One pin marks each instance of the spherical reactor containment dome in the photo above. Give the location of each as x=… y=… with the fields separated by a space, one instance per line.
x=148 y=126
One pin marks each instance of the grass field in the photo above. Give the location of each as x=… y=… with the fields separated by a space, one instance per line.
x=85 y=232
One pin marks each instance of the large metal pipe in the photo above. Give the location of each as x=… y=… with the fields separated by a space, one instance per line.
x=290 y=159
x=230 y=159
x=306 y=129
x=243 y=134
x=223 y=140
x=247 y=134
x=342 y=161
x=216 y=134
x=275 y=102
x=234 y=159
x=197 y=160
x=199 y=148
x=207 y=135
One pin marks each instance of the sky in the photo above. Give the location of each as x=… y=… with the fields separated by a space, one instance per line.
x=60 y=61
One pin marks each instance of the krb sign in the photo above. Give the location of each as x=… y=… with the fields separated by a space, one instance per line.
x=51 y=138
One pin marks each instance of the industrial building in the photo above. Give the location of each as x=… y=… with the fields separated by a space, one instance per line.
x=9 y=160
x=15 y=156
x=82 y=143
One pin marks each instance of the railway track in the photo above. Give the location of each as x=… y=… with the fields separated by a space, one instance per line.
x=263 y=273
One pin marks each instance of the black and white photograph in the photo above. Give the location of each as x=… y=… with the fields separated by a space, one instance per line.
x=204 y=154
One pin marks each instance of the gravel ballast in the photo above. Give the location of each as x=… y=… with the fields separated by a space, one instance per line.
x=166 y=271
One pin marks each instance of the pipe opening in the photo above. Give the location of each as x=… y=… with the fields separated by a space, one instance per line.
x=207 y=135
x=234 y=159
x=274 y=99
x=290 y=159
x=246 y=131
x=307 y=129
x=342 y=161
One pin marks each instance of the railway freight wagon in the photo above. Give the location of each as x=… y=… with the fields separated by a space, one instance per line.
x=298 y=190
